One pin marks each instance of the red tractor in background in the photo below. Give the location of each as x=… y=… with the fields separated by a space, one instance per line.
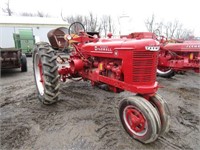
x=178 y=56
x=174 y=55
x=119 y=64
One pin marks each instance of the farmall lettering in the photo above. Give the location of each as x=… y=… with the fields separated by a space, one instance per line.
x=103 y=49
x=115 y=65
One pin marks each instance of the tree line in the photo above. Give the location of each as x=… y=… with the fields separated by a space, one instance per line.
x=105 y=24
x=91 y=22
x=170 y=30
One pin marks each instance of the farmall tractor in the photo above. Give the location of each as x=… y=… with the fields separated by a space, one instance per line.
x=178 y=56
x=120 y=64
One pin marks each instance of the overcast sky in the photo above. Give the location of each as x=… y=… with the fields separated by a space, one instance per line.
x=186 y=12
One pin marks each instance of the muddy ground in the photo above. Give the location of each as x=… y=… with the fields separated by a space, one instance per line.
x=87 y=117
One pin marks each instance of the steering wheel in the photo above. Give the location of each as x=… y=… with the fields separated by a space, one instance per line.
x=75 y=28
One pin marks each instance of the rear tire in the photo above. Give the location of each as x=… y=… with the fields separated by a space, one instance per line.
x=140 y=119
x=23 y=63
x=46 y=73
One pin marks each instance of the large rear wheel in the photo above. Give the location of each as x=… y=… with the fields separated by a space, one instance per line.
x=46 y=73
x=140 y=119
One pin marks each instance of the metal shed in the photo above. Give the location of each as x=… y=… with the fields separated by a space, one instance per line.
x=39 y=25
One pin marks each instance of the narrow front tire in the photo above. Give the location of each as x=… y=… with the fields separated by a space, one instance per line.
x=140 y=119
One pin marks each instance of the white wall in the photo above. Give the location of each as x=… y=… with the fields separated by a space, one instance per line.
x=41 y=33
x=6 y=35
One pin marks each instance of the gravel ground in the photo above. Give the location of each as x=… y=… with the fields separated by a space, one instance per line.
x=87 y=117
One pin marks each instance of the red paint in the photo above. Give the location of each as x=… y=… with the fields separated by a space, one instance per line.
x=41 y=73
x=135 y=119
x=180 y=56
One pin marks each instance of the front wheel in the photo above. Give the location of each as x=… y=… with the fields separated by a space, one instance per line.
x=140 y=119
x=46 y=73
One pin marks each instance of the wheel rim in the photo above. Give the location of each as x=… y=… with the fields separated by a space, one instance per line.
x=162 y=70
x=135 y=121
x=39 y=77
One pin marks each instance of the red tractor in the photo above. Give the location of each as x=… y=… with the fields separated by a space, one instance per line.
x=178 y=57
x=120 y=64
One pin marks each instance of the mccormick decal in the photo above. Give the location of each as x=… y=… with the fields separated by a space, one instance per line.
x=192 y=46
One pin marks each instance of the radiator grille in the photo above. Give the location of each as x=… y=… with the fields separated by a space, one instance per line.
x=144 y=66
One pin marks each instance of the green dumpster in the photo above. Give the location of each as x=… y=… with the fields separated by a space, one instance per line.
x=25 y=40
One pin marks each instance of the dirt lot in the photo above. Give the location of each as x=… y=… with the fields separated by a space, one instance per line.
x=87 y=117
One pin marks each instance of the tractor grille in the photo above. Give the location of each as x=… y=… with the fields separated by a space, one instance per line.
x=144 y=66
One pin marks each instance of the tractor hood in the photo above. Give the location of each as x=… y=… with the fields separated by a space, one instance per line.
x=109 y=45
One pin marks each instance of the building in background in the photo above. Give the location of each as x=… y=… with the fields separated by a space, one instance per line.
x=39 y=25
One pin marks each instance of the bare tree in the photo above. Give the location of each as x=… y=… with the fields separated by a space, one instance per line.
x=85 y=22
x=171 y=30
x=90 y=22
x=104 y=24
x=61 y=14
x=27 y=14
x=175 y=30
x=166 y=30
x=41 y=14
x=182 y=33
x=77 y=18
x=107 y=25
x=38 y=14
x=153 y=26
x=7 y=10
x=149 y=23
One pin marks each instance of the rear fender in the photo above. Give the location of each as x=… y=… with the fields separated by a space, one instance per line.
x=56 y=38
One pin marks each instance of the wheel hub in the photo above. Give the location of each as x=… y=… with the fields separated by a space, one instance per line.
x=135 y=120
